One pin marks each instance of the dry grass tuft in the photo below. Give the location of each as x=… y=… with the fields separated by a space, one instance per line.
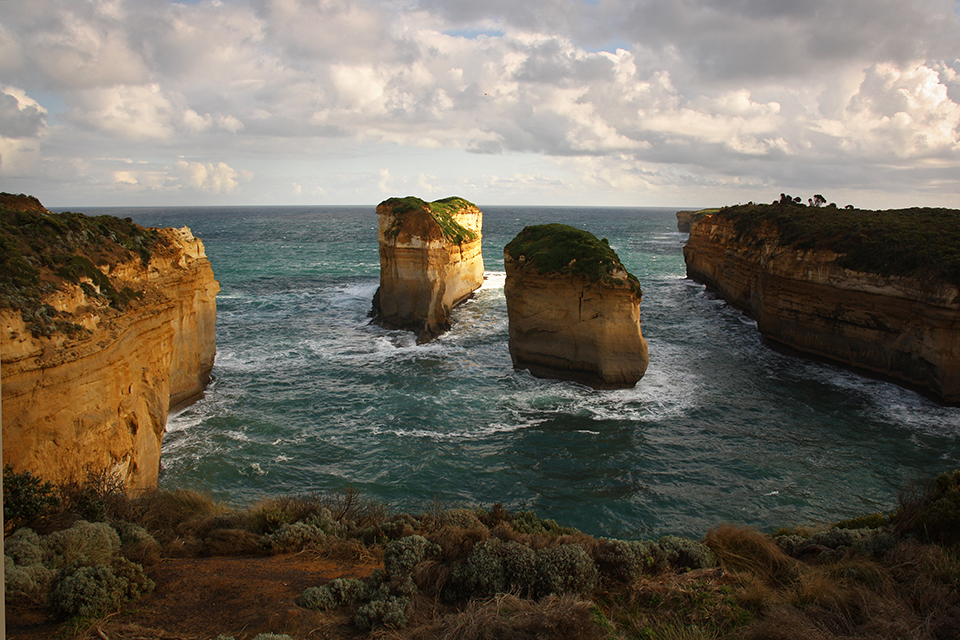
x=507 y=617
x=457 y=543
x=745 y=550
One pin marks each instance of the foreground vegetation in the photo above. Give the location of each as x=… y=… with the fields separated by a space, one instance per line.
x=921 y=243
x=84 y=551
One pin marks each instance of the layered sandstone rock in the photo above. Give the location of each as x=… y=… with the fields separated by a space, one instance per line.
x=903 y=328
x=87 y=385
x=430 y=261
x=686 y=219
x=573 y=310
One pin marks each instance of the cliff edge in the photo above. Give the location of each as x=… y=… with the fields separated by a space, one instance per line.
x=872 y=290
x=430 y=261
x=104 y=327
x=573 y=310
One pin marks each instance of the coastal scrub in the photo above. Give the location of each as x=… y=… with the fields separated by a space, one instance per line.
x=442 y=212
x=561 y=249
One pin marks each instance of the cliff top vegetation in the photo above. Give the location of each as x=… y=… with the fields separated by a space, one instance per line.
x=922 y=243
x=41 y=251
x=86 y=553
x=562 y=249
x=442 y=211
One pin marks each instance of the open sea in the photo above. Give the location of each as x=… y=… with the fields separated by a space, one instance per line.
x=308 y=396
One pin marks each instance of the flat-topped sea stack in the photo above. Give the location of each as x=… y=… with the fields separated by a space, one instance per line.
x=104 y=327
x=574 y=311
x=875 y=291
x=430 y=261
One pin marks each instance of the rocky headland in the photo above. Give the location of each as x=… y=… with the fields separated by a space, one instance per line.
x=876 y=291
x=430 y=261
x=105 y=326
x=686 y=219
x=573 y=309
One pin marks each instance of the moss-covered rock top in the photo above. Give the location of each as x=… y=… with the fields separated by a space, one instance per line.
x=442 y=211
x=565 y=250
x=921 y=243
x=41 y=251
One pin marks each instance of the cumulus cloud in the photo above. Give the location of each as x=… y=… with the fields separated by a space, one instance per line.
x=620 y=94
x=206 y=176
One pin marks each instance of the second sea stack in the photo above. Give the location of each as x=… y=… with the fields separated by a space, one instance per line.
x=430 y=261
x=573 y=309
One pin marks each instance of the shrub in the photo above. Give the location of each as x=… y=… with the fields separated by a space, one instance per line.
x=390 y=611
x=686 y=553
x=460 y=518
x=493 y=567
x=25 y=496
x=26 y=584
x=625 y=561
x=528 y=522
x=565 y=568
x=24 y=547
x=931 y=513
x=338 y=592
x=87 y=543
x=401 y=556
x=97 y=589
x=292 y=537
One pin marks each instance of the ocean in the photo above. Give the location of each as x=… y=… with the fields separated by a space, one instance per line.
x=307 y=396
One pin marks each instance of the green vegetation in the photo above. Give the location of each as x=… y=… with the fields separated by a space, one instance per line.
x=40 y=251
x=562 y=249
x=921 y=243
x=442 y=211
x=490 y=573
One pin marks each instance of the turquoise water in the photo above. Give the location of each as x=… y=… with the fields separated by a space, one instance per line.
x=308 y=396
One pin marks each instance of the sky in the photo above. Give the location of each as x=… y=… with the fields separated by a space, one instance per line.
x=686 y=103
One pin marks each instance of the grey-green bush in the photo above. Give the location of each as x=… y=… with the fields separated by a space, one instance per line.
x=390 y=611
x=292 y=537
x=23 y=546
x=401 y=556
x=627 y=560
x=88 y=543
x=494 y=566
x=97 y=589
x=338 y=592
x=29 y=584
x=565 y=568
x=686 y=553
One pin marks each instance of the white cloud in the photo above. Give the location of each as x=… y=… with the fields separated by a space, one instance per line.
x=206 y=176
x=625 y=97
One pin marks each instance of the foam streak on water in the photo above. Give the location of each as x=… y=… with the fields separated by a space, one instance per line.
x=307 y=395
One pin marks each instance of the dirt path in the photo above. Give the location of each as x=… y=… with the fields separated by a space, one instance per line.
x=201 y=598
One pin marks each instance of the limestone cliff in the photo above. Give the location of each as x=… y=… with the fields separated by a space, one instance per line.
x=822 y=283
x=573 y=310
x=99 y=340
x=430 y=261
x=686 y=219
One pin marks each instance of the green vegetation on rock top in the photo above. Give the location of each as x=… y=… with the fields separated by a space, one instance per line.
x=562 y=249
x=41 y=250
x=442 y=211
x=921 y=243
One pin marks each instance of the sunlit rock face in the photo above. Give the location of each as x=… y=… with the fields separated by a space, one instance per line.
x=92 y=393
x=573 y=310
x=430 y=261
x=904 y=329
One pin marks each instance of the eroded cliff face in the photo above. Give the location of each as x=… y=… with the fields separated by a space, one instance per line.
x=97 y=398
x=570 y=326
x=901 y=328
x=429 y=263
